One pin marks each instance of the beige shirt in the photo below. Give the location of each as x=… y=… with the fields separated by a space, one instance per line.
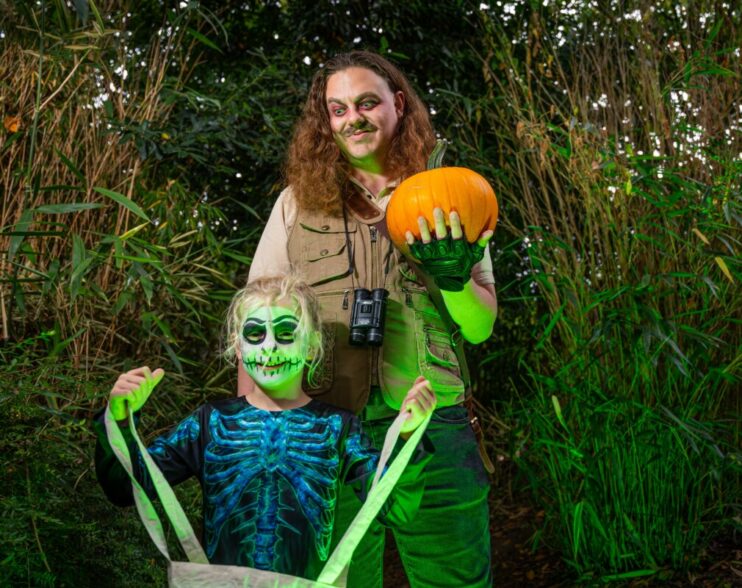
x=272 y=258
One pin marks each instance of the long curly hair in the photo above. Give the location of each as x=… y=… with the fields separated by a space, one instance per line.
x=317 y=171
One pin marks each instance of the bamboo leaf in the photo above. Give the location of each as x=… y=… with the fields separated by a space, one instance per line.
x=237 y=257
x=78 y=250
x=203 y=39
x=21 y=228
x=76 y=278
x=558 y=411
x=723 y=265
x=550 y=326
x=628 y=575
x=60 y=188
x=123 y=201
x=10 y=140
x=577 y=527
x=60 y=346
x=80 y=264
x=173 y=356
x=701 y=236
x=67 y=208
x=133 y=231
x=71 y=166
x=145 y=280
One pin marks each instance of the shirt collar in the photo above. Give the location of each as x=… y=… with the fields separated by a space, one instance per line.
x=385 y=191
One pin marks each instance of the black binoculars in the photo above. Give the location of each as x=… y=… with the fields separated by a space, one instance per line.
x=367 y=317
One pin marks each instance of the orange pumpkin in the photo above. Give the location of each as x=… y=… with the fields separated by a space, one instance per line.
x=449 y=188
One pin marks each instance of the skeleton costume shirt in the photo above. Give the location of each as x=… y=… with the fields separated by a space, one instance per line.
x=270 y=479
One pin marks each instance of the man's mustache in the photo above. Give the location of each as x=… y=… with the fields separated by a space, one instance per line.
x=360 y=128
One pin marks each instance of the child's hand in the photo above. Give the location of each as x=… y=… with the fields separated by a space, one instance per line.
x=131 y=391
x=419 y=403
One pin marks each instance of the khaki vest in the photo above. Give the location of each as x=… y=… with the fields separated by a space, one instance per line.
x=418 y=338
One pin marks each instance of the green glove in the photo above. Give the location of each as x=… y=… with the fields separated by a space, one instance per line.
x=129 y=396
x=448 y=261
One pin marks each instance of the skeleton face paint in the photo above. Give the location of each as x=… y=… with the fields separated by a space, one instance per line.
x=273 y=352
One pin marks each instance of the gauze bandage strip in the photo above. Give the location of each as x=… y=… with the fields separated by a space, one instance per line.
x=197 y=572
x=147 y=512
x=382 y=486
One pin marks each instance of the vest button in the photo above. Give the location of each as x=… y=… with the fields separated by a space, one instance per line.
x=324 y=252
x=325 y=228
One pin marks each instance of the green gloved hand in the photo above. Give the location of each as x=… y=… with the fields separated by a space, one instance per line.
x=132 y=390
x=448 y=261
x=448 y=258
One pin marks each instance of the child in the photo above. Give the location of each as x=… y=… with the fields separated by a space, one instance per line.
x=270 y=463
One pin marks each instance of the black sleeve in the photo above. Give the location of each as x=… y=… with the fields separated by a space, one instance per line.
x=177 y=453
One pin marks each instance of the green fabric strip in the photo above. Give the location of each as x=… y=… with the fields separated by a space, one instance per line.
x=381 y=488
x=173 y=510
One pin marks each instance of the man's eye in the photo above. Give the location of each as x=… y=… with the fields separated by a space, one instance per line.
x=338 y=111
x=368 y=104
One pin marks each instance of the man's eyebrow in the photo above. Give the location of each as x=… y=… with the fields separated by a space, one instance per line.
x=366 y=95
x=360 y=98
x=253 y=321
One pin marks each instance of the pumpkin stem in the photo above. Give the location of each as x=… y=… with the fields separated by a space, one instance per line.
x=436 y=157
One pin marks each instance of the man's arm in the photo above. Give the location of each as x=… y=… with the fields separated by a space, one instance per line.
x=474 y=309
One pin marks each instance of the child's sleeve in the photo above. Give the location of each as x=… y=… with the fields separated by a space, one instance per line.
x=360 y=461
x=177 y=453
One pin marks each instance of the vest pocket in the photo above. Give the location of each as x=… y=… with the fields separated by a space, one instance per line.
x=324 y=251
x=437 y=357
x=438 y=348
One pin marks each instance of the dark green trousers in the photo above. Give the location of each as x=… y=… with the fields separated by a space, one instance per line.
x=447 y=542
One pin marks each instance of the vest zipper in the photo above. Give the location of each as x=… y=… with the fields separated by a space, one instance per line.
x=375 y=283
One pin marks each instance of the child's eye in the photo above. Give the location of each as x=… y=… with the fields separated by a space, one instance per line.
x=285 y=335
x=253 y=334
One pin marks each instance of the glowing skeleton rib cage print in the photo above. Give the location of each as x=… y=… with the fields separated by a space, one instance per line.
x=270 y=458
x=198 y=571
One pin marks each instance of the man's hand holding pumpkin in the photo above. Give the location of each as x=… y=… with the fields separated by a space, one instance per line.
x=448 y=258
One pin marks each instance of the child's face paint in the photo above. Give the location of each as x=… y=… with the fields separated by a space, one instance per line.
x=273 y=352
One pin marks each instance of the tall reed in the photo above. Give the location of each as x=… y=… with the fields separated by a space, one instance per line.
x=613 y=143
x=95 y=240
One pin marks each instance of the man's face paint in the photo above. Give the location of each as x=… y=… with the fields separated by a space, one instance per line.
x=273 y=352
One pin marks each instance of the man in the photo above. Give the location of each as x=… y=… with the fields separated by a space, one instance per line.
x=363 y=129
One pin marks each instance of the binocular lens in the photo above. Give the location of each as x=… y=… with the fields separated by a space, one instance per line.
x=367 y=317
x=357 y=337
x=375 y=337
